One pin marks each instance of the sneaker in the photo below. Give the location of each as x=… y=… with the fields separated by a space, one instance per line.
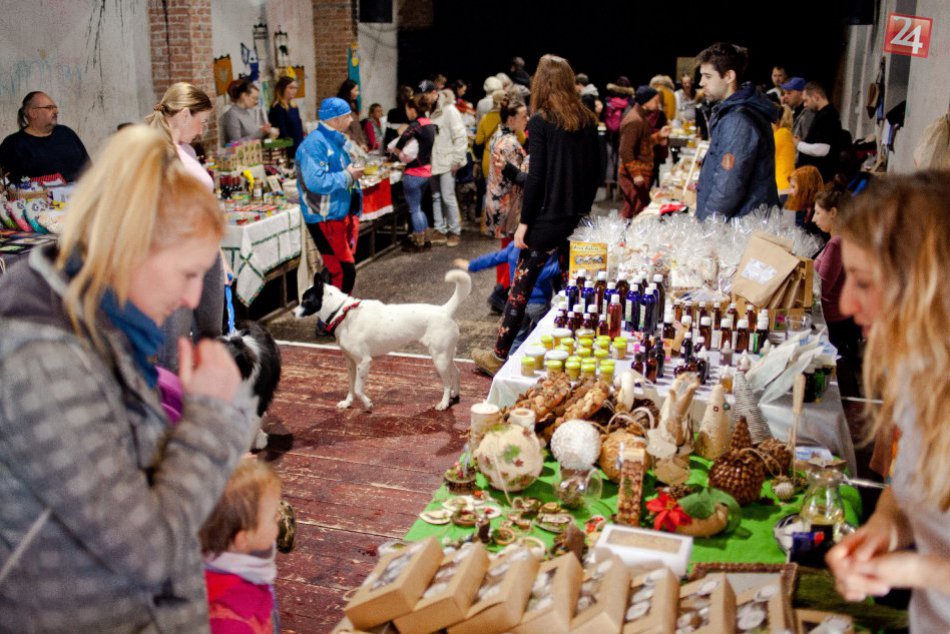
x=486 y=361
x=453 y=240
x=436 y=237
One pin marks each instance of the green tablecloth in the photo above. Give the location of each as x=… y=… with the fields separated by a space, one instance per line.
x=751 y=542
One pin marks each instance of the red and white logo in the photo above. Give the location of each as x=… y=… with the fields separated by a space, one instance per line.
x=907 y=35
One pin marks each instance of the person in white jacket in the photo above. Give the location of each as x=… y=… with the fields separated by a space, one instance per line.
x=448 y=156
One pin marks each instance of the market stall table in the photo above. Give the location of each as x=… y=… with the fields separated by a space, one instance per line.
x=823 y=423
x=252 y=250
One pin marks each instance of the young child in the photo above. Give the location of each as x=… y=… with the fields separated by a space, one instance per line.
x=540 y=300
x=238 y=544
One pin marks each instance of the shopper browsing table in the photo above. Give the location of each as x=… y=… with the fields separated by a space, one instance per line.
x=41 y=147
x=894 y=239
x=284 y=114
x=245 y=120
x=102 y=498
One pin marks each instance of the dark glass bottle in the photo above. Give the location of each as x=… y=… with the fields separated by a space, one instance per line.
x=705 y=328
x=660 y=295
x=678 y=311
x=588 y=295
x=603 y=328
x=742 y=336
x=576 y=318
x=600 y=288
x=591 y=318
x=623 y=288
x=659 y=353
x=725 y=330
x=686 y=348
x=574 y=292
x=632 y=311
x=647 y=311
x=614 y=316
x=560 y=319
x=750 y=313
x=701 y=312
x=651 y=367
x=733 y=314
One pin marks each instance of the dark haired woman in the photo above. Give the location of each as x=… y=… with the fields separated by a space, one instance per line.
x=560 y=188
x=399 y=117
x=349 y=92
x=284 y=115
x=414 y=148
x=245 y=119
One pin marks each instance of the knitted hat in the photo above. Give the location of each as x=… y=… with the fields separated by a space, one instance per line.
x=333 y=107
x=644 y=94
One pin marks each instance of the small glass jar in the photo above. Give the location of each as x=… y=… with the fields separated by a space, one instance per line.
x=554 y=367
x=604 y=340
x=586 y=333
x=584 y=353
x=588 y=370
x=601 y=355
x=538 y=353
x=528 y=366
x=601 y=345
x=822 y=508
x=607 y=372
x=585 y=342
x=556 y=355
x=573 y=369
x=560 y=334
x=547 y=341
x=619 y=348
x=567 y=344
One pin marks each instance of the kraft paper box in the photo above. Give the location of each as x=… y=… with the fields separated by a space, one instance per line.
x=590 y=257
x=553 y=597
x=345 y=627
x=395 y=585
x=447 y=599
x=763 y=269
x=810 y=620
x=501 y=599
x=603 y=598
x=653 y=603
x=708 y=605
x=643 y=547
x=764 y=607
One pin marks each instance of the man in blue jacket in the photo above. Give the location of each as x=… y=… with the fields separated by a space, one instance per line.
x=738 y=173
x=330 y=198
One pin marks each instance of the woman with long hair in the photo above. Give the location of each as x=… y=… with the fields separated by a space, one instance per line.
x=560 y=189
x=284 y=114
x=103 y=499
x=505 y=185
x=349 y=92
x=414 y=148
x=895 y=243
x=803 y=185
x=181 y=116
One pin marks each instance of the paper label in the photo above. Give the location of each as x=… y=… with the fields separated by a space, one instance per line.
x=758 y=271
x=587 y=256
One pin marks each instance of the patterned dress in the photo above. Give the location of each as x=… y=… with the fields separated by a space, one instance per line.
x=503 y=197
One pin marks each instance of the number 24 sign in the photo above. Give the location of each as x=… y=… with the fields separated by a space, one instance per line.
x=907 y=35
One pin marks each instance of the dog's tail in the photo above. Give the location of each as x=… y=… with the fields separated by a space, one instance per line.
x=463 y=286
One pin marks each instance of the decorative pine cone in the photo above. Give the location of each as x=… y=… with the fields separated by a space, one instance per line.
x=677 y=491
x=779 y=451
x=741 y=438
x=740 y=474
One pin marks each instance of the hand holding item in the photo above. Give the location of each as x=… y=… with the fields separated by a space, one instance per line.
x=639 y=181
x=520 y=234
x=207 y=369
x=499 y=161
x=460 y=263
x=356 y=172
x=849 y=560
x=665 y=131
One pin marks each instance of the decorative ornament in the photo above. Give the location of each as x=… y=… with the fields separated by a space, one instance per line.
x=748 y=406
x=630 y=492
x=610 y=451
x=706 y=527
x=510 y=457
x=712 y=511
x=576 y=445
x=783 y=488
x=668 y=514
x=740 y=473
x=778 y=451
x=713 y=438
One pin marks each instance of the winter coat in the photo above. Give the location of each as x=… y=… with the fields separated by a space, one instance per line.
x=738 y=173
x=325 y=185
x=237 y=606
x=503 y=196
x=542 y=291
x=83 y=437
x=451 y=139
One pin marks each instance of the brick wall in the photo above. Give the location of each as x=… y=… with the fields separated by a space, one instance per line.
x=334 y=30
x=414 y=14
x=181 y=49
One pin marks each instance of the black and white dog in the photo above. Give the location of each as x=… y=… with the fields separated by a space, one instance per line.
x=366 y=329
x=258 y=358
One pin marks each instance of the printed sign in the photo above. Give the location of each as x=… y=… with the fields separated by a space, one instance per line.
x=907 y=35
x=589 y=257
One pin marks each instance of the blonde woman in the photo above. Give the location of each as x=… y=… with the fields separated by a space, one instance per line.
x=895 y=240
x=784 y=150
x=181 y=116
x=102 y=498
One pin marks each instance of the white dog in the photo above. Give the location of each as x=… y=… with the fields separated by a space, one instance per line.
x=365 y=329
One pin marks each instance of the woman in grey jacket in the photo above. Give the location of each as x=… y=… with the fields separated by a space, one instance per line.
x=101 y=499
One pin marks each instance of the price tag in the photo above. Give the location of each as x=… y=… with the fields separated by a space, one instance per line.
x=907 y=35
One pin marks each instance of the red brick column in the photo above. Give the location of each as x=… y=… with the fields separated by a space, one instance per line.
x=181 y=49
x=334 y=30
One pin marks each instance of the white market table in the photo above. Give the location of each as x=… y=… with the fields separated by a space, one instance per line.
x=823 y=423
x=254 y=249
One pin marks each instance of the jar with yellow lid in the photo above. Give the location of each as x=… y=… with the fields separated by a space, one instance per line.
x=560 y=334
x=573 y=369
x=588 y=370
x=538 y=353
x=607 y=372
x=601 y=355
x=619 y=348
x=554 y=367
x=585 y=342
x=567 y=344
x=528 y=366
x=547 y=341
x=584 y=353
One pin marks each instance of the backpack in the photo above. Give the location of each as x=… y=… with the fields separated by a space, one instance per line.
x=612 y=118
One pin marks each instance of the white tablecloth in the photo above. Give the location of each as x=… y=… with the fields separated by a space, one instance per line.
x=254 y=249
x=823 y=423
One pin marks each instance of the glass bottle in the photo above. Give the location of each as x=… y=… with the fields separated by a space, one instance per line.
x=651 y=366
x=614 y=316
x=742 y=336
x=725 y=355
x=647 y=311
x=705 y=328
x=600 y=289
x=678 y=311
x=603 y=327
x=661 y=294
x=701 y=312
x=750 y=313
x=686 y=348
x=610 y=292
x=581 y=279
x=732 y=313
x=669 y=330
x=560 y=319
x=659 y=353
x=590 y=318
x=822 y=508
x=632 y=310
x=702 y=362
x=725 y=332
x=574 y=292
x=576 y=318
x=715 y=314
x=588 y=295
x=688 y=310
x=623 y=288
x=761 y=334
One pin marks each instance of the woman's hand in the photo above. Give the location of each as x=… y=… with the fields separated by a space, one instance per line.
x=519 y=236
x=499 y=161
x=849 y=560
x=207 y=369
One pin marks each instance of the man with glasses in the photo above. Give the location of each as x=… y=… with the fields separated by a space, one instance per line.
x=42 y=147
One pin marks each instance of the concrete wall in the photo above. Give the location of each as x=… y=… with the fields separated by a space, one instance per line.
x=92 y=58
x=380 y=54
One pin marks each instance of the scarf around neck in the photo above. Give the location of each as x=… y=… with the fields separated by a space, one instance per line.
x=258 y=568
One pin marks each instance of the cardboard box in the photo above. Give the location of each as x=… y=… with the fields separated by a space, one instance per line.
x=808 y=620
x=447 y=599
x=603 y=598
x=345 y=627
x=712 y=592
x=764 y=607
x=501 y=599
x=395 y=585
x=553 y=597
x=763 y=269
x=643 y=547
x=653 y=604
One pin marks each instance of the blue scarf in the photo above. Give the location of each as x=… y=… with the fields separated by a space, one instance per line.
x=143 y=333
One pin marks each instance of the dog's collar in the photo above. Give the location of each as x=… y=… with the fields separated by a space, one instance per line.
x=336 y=318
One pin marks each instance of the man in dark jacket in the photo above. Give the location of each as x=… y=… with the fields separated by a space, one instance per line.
x=738 y=173
x=821 y=144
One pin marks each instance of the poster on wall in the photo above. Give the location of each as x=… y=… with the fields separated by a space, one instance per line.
x=222 y=74
x=301 y=76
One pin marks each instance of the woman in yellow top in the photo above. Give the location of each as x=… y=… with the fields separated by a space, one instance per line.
x=784 y=150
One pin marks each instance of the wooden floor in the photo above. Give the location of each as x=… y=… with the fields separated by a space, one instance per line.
x=355 y=479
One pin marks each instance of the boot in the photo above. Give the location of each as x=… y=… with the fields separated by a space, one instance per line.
x=436 y=237
x=486 y=361
x=415 y=242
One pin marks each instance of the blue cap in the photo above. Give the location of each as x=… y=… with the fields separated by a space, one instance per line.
x=332 y=107
x=644 y=94
x=795 y=83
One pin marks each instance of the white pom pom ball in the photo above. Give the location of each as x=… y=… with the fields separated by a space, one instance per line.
x=576 y=444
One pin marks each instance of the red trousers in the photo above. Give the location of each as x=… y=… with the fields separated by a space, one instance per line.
x=336 y=242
